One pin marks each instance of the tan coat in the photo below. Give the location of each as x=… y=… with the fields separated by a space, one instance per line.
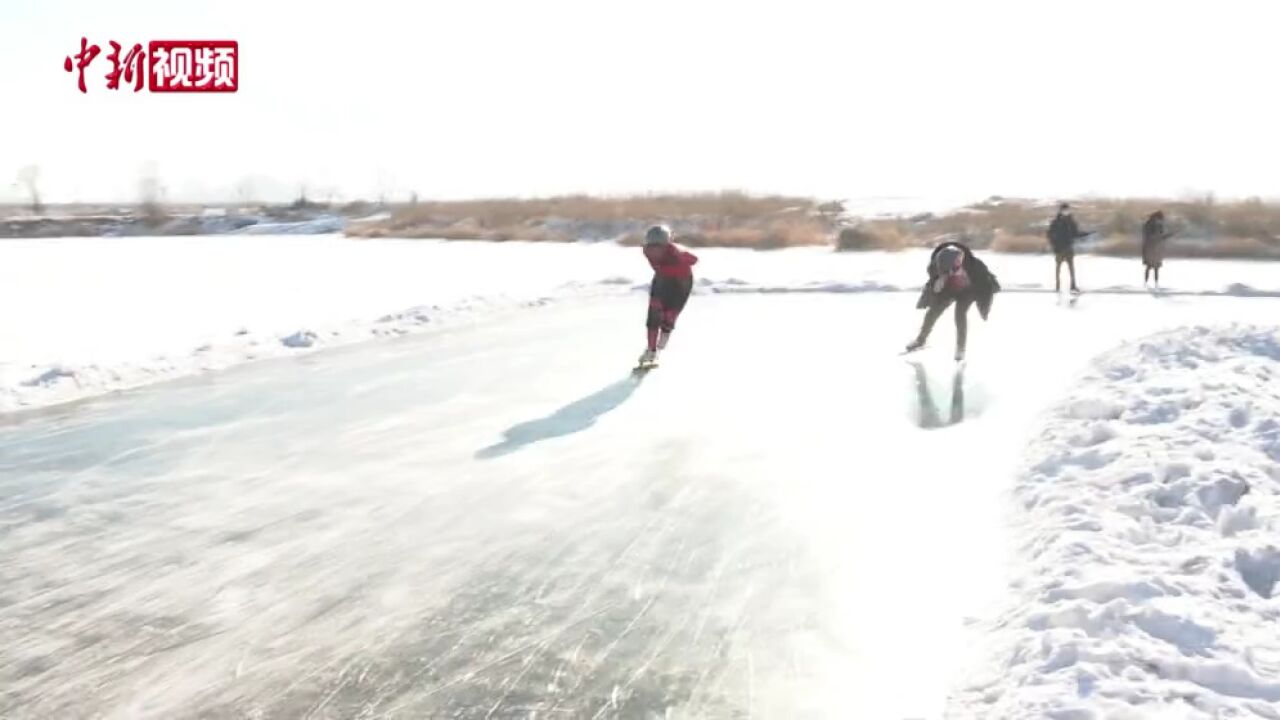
x=1153 y=242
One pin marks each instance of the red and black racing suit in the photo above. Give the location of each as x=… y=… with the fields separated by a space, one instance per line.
x=670 y=289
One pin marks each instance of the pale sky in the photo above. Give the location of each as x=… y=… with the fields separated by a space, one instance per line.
x=535 y=97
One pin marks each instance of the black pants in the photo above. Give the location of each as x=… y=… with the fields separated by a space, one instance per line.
x=935 y=309
x=1064 y=255
x=667 y=298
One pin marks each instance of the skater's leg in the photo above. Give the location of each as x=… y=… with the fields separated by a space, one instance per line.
x=1071 y=268
x=1057 y=274
x=962 y=325
x=931 y=316
x=653 y=323
x=677 y=295
x=668 y=327
x=1146 y=274
x=1157 y=272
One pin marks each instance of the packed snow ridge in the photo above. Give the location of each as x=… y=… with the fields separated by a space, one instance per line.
x=1148 y=527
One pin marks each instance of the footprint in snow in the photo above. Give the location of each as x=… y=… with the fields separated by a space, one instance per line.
x=1095 y=434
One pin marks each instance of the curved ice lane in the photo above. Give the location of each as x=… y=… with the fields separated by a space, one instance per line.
x=785 y=519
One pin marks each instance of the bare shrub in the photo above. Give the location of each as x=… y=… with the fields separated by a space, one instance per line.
x=877 y=235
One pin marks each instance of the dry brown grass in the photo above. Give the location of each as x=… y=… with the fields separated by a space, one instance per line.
x=1008 y=242
x=463 y=230
x=457 y=231
x=1207 y=228
x=726 y=219
x=1234 y=248
x=1125 y=246
x=500 y=212
x=773 y=236
x=1202 y=218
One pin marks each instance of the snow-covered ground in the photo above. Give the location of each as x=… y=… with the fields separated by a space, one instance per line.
x=85 y=316
x=1149 y=542
x=89 y=315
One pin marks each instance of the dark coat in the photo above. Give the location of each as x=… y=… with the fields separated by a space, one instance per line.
x=1153 y=237
x=1063 y=233
x=983 y=282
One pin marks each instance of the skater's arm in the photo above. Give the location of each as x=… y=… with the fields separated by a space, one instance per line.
x=669 y=259
x=1069 y=230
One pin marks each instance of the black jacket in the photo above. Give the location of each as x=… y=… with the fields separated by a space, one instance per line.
x=983 y=282
x=1063 y=232
x=1153 y=230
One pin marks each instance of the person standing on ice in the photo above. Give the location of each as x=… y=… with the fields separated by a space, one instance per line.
x=1063 y=233
x=957 y=276
x=672 y=283
x=1154 y=235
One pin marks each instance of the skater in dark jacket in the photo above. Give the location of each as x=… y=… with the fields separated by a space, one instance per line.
x=957 y=276
x=1063 y=233
x=672 y=283
x=1154 y=235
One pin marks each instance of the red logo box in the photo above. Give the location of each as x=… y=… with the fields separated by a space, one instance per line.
x=193 y=66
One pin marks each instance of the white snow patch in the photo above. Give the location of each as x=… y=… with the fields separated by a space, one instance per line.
x=318 y=226
x=1148 y=520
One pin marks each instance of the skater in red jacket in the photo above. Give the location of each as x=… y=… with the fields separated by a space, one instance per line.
x=669 y=291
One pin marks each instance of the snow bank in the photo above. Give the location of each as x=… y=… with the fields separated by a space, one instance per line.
x=89 y=315
x=317 y=226
x=1148 y=520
